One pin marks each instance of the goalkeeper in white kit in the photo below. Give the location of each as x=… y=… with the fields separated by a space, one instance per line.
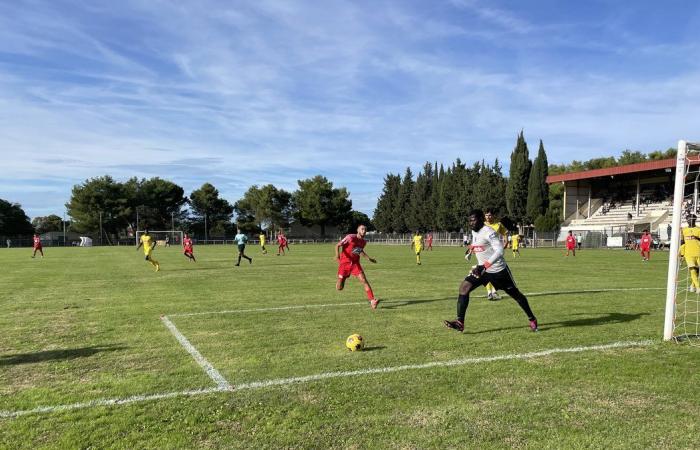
x=491 y=268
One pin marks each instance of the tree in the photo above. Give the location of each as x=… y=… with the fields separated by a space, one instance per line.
x=549 y=221
x=421 y=208
x=160 y=201
x=538 y=189
x=386 y=205
x=99 y=199
x=263 y=207
x=317 y=202
x=490 y=189
x=516 y=191
x=13 y=220
x=210 y=212
x=399 y=223
x=45 y=224
x=355 y=219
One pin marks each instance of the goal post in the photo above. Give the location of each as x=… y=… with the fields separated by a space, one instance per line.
x=681 y=319
x=173 y=237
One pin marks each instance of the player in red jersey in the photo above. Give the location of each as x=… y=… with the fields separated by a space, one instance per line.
x=37 y=246
x=347 y=253
x=429 y=242
x=282 y=243
x=645 y=245
x=571 y=244
x=188 y=248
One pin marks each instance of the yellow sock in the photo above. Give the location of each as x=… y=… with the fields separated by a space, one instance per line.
x=418 y=259
x=694 y=277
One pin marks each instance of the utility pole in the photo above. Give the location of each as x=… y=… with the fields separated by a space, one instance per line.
x=64 y=229
x=205 y=228
x=100 y=228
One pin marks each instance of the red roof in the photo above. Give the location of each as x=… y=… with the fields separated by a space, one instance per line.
x=619 y=170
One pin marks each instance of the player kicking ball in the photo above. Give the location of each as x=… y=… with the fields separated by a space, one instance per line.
x=148 y=245
x=188 y=248
x=347 y=253
x=491 y=267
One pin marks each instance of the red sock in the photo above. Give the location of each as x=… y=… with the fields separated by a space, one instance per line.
x=370 y=294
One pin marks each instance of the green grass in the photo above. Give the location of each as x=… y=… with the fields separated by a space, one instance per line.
x=83 y=324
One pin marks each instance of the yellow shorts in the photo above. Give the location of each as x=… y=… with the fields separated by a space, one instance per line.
x=515 y=247
x=692 y=261
x=418 y=250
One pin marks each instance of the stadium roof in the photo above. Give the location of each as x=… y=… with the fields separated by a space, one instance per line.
x=610 y=171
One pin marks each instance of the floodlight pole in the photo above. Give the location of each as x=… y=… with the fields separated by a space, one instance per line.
x=100 y=228
x=678 y=192
x=64 y=229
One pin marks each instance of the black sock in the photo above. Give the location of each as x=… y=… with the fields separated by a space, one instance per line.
x=239 y=259
x=522 y=301
x=462 y=303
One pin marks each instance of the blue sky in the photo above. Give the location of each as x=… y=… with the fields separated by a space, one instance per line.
x=242 y=93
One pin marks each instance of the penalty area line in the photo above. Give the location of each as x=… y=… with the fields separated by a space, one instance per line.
x=334 y=305
x=201 y=360
x=324 y=376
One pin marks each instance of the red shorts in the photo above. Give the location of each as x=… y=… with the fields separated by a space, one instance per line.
x=188 y=250
x=570 y=246
x=38 y=247
x=645 y=248
x=347 y=268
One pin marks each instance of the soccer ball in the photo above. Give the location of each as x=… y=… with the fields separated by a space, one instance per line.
x=355 y=343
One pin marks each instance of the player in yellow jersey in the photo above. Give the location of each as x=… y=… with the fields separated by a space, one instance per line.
x=498 y=227
x=417 y=245
x=691 y=246
x=515 y=244
x=148 y=244
x=262 y=243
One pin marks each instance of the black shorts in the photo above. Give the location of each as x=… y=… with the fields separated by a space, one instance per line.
x=241 y=247
x=502 y=280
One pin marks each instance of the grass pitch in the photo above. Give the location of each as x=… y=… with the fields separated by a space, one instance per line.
x=84 y=325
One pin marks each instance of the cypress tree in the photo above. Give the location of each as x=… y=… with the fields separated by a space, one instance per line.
x=404 y=202
x=386 y=205
x=538 y=190
x=516 y=191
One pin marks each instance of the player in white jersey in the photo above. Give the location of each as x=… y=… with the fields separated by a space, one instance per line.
x=491 y=267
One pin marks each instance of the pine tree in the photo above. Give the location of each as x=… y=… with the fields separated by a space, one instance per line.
x=538 y=190
x=516 y=191
x=421 y=209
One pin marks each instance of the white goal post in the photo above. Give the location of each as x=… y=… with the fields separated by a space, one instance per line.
x=682 y=319
x=174 y=237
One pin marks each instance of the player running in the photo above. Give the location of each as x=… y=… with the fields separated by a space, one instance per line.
x=148 y=245
x=188 y=248
x=347 y=253
x=429 y=242
x=645 y=245
x=571 y=244
x=261 y=238
x=241 y=240
x=691 y=247
x=37 y=246
x=515 y=244
x=417 y=245
x=490 y=220
x=491 y=267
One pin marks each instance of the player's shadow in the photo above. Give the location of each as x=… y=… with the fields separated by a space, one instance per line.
x=606 y=319
x=393 y=304
x=55 y=355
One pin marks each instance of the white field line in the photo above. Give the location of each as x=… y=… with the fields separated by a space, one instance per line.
x=108 y=402
x=323 y=376
x=208 y=368
x=333 y=305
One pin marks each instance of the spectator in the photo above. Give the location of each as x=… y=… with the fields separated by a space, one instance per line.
x=9 y=243
x=668 y=231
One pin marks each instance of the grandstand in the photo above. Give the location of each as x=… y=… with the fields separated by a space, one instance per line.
x=618 y=202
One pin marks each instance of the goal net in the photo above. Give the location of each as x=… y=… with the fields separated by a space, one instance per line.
x=162 y=238
x=682 y=318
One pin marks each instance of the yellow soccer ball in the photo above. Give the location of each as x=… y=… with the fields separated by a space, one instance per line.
x=355 y=343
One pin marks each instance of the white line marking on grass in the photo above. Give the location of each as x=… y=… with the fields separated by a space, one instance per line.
x=332 y=305
x=320 y=376
x=208 y=368
x=450 y=363
x=109 y=402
